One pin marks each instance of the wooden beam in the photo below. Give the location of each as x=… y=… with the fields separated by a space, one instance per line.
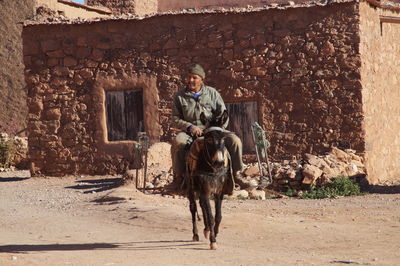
x=387 y=19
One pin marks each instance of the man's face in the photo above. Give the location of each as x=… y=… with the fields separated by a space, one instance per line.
x=194 y=82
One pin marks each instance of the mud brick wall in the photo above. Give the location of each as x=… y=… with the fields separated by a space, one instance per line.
x=380 y=50
x=300 y=65
x=13 y=108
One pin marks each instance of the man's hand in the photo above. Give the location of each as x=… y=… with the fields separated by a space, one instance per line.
x=195 y=131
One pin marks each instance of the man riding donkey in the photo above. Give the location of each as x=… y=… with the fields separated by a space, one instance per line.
x=188 y=104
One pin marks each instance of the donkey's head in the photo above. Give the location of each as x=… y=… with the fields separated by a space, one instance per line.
x=214 y=142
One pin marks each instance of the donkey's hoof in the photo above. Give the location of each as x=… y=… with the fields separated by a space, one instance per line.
x=213 y=246
x=206 y=234
x=196 y=237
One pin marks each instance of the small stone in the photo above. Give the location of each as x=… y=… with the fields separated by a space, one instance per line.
x=240 y=194
x=149 y=185
x=70 y=61
x=328 y=49
x=251 y=171
x=249 y=52
x=257 y=71
x=257 y=194
x=340 y=155
x=291 y=173
x=53 y=114
x=49 y=45
x=311 y=174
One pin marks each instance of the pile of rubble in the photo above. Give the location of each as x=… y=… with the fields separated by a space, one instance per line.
x=311 y=170
x=296 y=174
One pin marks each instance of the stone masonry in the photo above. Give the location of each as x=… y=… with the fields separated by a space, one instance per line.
x=302 y=66
x=13 y=109
x=137 y=7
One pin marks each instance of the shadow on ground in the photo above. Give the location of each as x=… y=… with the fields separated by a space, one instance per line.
x=97 y=185
x=141 y=245
x=382 y=189
x=377 y=189
x=12 y=179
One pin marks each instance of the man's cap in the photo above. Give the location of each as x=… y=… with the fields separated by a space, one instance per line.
x=198 y=70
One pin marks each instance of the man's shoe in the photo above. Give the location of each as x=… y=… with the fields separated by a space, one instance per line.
x=243 y=183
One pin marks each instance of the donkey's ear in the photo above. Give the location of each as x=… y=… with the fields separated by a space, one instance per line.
x=224 y=117
x=203 y=118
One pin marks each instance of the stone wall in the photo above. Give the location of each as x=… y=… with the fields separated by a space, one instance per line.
x=142 y=7
x=174 y=5
x=71 y=10
x=380 y=50
x=137 y=7
x=13 y=108
x=300 y=65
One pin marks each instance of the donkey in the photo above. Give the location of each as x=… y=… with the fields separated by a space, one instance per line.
x=209 y=175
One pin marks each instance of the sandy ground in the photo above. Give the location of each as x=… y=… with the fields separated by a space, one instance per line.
x=57 y=222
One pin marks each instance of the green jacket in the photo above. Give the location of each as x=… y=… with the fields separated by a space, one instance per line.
x=186 y=110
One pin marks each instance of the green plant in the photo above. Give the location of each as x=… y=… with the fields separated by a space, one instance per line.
x=340 y=186
x=291 y=192
x=7 y=151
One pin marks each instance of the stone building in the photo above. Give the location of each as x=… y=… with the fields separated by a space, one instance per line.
x=318 y=75
x=142 y=7
x=13 y=109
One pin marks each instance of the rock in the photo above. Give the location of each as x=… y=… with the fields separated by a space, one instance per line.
x=359 y=164
x=239 y=194
x=159 y=161
x=53 y=114
x=149 y=185
x=311 y=174
x=291 y=173
x=356 y=158
x=328 y=171
x=351 y=169
x=49 y=45
x=257 y=71
x=257 y=194
x=340 y=155
x=328 y=49
x=70 y=61
x=252 y=170
x=312 y=159
x=129 y=176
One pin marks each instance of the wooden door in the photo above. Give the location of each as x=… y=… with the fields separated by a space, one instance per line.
x=241 y=116
x=124 y=113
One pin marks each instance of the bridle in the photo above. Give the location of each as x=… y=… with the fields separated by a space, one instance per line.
x=206 y=152
x=213 y=129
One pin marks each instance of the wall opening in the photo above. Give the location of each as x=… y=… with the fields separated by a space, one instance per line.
x=241 y=116
x=124 y=114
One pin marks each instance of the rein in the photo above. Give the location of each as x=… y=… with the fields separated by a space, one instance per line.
x=206 y=152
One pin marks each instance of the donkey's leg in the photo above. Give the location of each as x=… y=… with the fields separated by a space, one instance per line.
x=218 y=213
x=193 y=211
x=205 y=217
x=210 y=218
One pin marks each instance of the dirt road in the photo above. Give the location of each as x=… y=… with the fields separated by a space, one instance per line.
x=56 y=222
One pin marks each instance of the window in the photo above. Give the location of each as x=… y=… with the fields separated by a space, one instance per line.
x=241 y=116
x=124 y=114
